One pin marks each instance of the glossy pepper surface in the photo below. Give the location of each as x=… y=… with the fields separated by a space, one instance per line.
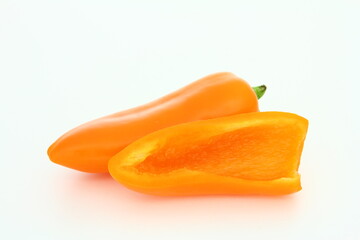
x=252 y=153
x=89 y=147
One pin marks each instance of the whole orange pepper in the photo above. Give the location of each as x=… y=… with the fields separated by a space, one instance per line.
x=252 y=153
x=89 y=147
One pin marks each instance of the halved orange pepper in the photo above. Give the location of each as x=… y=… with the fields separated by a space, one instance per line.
x=252 y=153
x=89 y=147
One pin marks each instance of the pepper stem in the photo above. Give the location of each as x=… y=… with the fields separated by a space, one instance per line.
x=259 y=91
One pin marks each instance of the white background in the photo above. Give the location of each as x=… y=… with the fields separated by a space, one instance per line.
x=66 y=62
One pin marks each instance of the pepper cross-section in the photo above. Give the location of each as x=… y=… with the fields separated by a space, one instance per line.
x=252 y=153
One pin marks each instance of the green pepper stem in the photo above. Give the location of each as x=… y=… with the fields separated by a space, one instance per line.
x=259 y=91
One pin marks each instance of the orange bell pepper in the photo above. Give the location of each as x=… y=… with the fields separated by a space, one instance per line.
x=252 y=153
x=89 y=147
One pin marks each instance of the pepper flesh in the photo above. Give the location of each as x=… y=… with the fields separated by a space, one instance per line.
x=253 y=153
x=89 y=147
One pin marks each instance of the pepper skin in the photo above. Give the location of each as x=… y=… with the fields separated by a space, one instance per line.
x=252 y=153
x=89 y=147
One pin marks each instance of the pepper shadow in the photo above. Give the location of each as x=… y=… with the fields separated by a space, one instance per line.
x=98 y=195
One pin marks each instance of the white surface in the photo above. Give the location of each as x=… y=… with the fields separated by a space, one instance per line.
x=66 y=62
